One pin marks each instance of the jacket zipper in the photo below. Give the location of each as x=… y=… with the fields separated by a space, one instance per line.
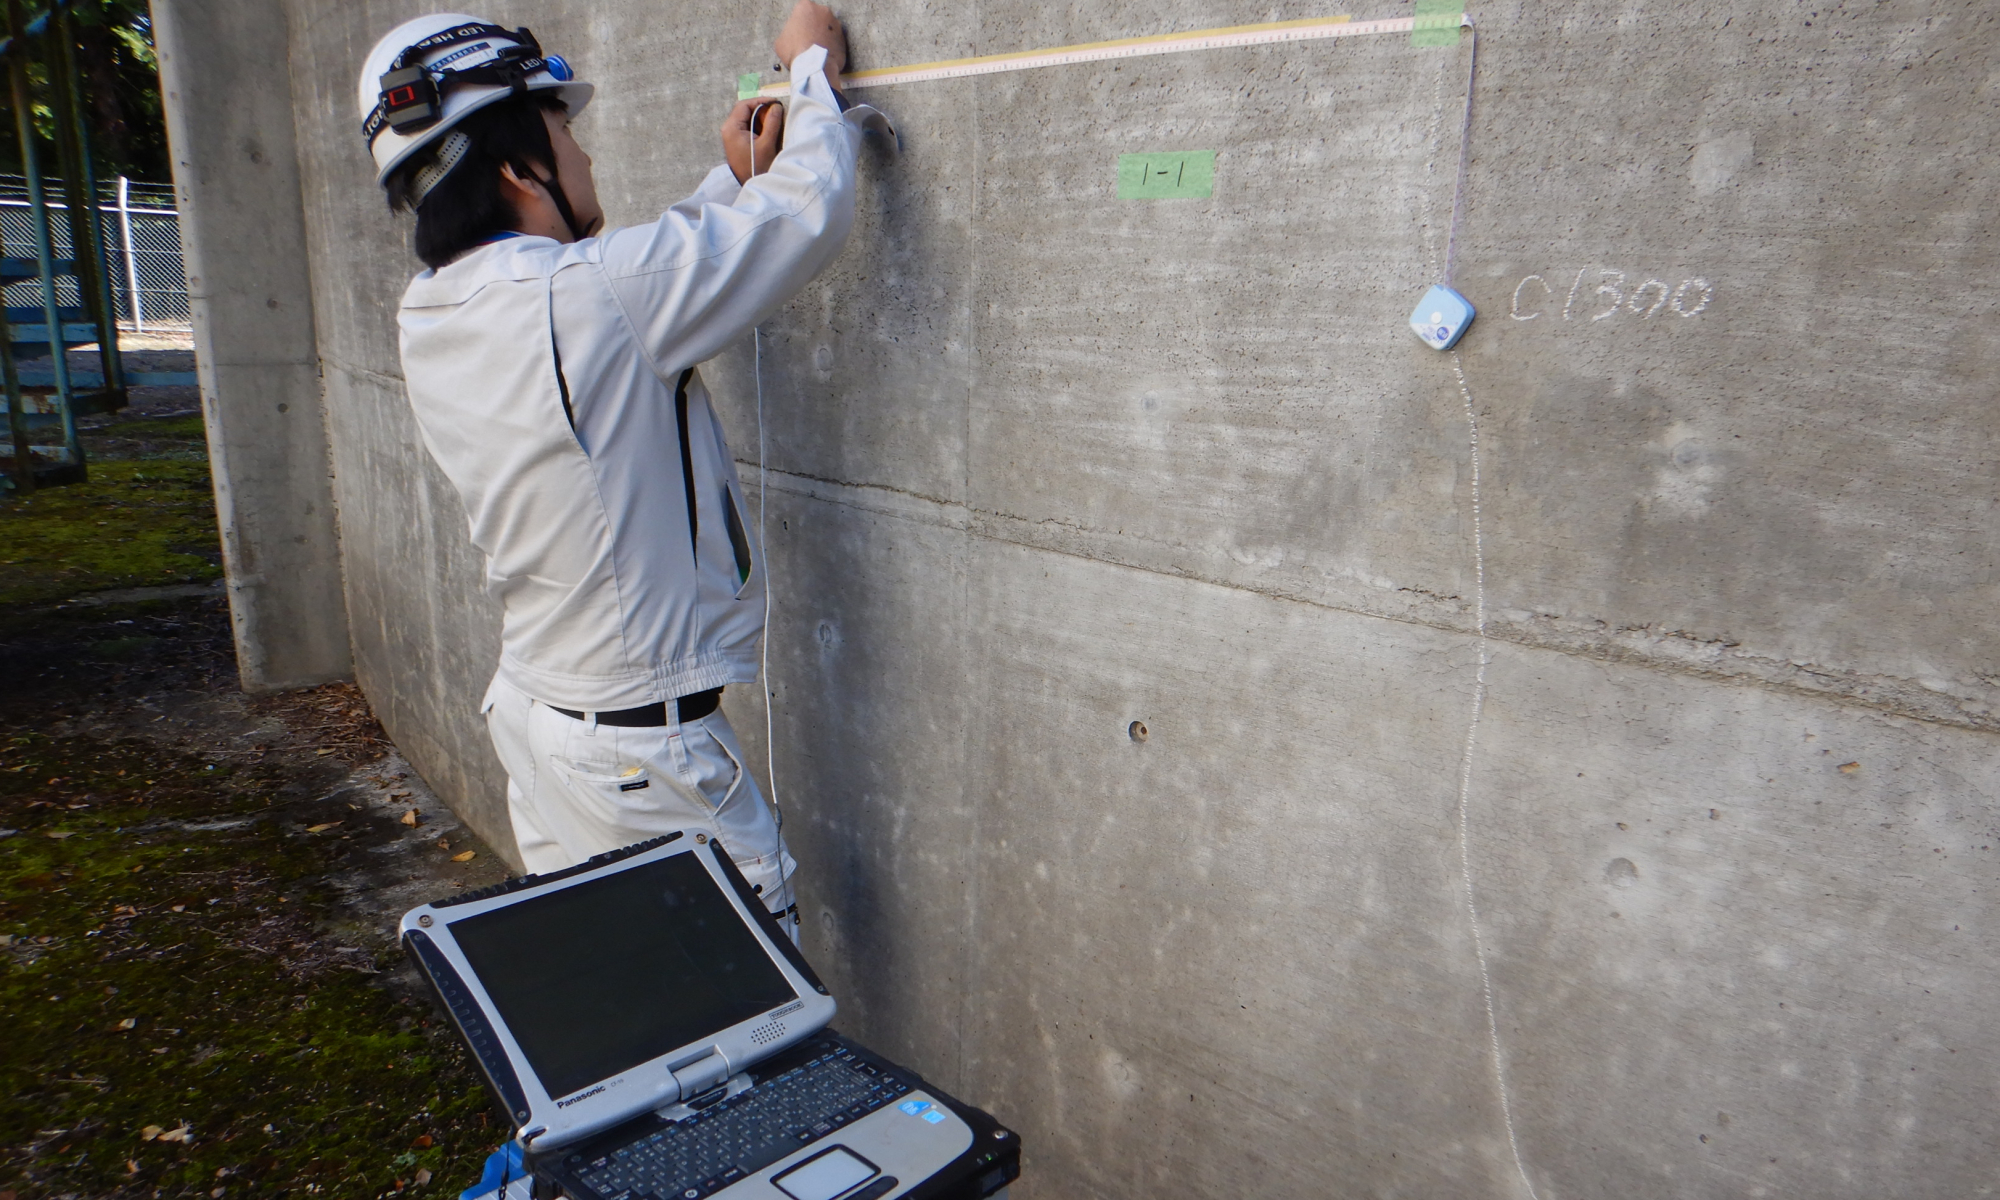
x=687 y=463
x=562 y=381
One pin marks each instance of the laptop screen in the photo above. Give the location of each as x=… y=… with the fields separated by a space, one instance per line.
x=596 y=978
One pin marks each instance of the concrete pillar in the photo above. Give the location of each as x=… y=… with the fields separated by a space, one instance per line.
x=225 y=75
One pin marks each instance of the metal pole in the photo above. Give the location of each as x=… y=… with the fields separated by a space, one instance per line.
x=17 y=420
x=138 y=305
x=24 y=121
x=88 y=261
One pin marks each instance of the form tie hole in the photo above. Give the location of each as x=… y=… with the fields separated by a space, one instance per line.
x=1136 y=731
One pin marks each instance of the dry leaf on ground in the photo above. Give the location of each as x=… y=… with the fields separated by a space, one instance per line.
x=410 y=818
x=468 y=856
x=322 y=828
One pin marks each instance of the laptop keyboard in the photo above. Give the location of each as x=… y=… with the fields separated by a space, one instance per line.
x=745 y=1133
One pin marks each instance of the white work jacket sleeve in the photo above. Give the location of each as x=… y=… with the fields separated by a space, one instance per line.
x=707 y=270
x=719 y=187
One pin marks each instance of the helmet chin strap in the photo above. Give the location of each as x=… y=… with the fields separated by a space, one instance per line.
x=553 y=186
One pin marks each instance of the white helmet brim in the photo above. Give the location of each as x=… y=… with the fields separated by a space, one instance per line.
x=391 y=149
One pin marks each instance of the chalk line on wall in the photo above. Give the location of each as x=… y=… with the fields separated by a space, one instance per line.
x=1465 y=781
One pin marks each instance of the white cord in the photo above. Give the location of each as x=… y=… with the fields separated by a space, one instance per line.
x=1465 y=781
x=1464 y=146
x=763 y=505
x=763 y=546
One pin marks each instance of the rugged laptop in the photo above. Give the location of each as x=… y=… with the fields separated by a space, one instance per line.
x=652 y=1033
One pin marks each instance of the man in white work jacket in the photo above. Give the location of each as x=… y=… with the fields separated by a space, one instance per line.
x=551 y=368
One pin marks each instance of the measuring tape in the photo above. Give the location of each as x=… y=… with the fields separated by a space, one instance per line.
x=1226 y=37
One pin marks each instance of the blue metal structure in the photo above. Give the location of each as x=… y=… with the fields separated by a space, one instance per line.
x=52 y=328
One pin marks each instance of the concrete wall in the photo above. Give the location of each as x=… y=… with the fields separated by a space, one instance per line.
x=236 y=175
x=1719 y=853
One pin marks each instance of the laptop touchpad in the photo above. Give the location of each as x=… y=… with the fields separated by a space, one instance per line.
x=825 y=1175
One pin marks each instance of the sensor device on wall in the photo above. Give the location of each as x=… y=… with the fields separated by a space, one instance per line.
x=1441 y=317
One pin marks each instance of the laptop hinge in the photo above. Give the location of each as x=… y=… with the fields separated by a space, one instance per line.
x=701 y=1075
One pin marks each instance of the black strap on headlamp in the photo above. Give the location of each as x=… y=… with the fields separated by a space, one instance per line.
x=412 y=95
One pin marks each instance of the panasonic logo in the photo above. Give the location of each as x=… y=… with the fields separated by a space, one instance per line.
x=580 y=1099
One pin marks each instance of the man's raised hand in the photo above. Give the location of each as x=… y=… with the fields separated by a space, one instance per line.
x=813 y=25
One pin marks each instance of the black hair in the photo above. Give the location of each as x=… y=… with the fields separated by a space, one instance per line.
x=467 y=206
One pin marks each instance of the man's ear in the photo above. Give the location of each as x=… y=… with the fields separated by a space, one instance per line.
x=518 y=188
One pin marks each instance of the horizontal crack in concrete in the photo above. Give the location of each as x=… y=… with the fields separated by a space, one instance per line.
x=1722 y=659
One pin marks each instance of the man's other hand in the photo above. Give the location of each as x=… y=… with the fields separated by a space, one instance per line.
x=738 y=140
x=813 y=25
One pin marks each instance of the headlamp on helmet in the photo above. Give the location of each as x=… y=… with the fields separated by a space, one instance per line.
x=409 y=100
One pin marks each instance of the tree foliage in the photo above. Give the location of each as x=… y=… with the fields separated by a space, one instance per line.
x=118 y=75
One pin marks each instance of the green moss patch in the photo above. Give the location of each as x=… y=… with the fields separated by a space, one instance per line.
x=136 y=522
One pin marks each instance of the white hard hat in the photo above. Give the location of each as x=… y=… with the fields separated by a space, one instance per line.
x=445 y=66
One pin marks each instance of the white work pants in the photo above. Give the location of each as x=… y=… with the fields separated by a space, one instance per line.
x=576 y=788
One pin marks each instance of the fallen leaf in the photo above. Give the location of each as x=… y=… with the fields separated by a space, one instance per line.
x=328 y=750
x=423 y=1141
x=468 y=856
x=1845 y=769
x=157 y=1050
x=180 y=908
x=443 y=845
x=127 y=1023
x=410 y=818
x=423 y=1176
x=322 y=828
x=58 y=834
x=131 y=1167
x=399 y=795
x=150 y=1132
x=183 y=1134
x=125 y=908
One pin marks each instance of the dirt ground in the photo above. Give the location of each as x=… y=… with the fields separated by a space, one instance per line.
x=198 y=889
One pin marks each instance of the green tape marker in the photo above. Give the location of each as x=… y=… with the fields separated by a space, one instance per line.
x=1437 y=22
x=1167 y=175
x=747 y=85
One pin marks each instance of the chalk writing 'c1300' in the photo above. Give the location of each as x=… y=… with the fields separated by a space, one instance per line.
x=1611 y=295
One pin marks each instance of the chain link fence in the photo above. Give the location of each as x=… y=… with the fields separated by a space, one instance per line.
x=142 y=243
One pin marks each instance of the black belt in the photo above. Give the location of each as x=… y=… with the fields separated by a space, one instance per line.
x=651 y=716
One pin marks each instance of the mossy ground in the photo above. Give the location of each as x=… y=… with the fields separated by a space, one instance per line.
x=187 y=1008
x=146 y=516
